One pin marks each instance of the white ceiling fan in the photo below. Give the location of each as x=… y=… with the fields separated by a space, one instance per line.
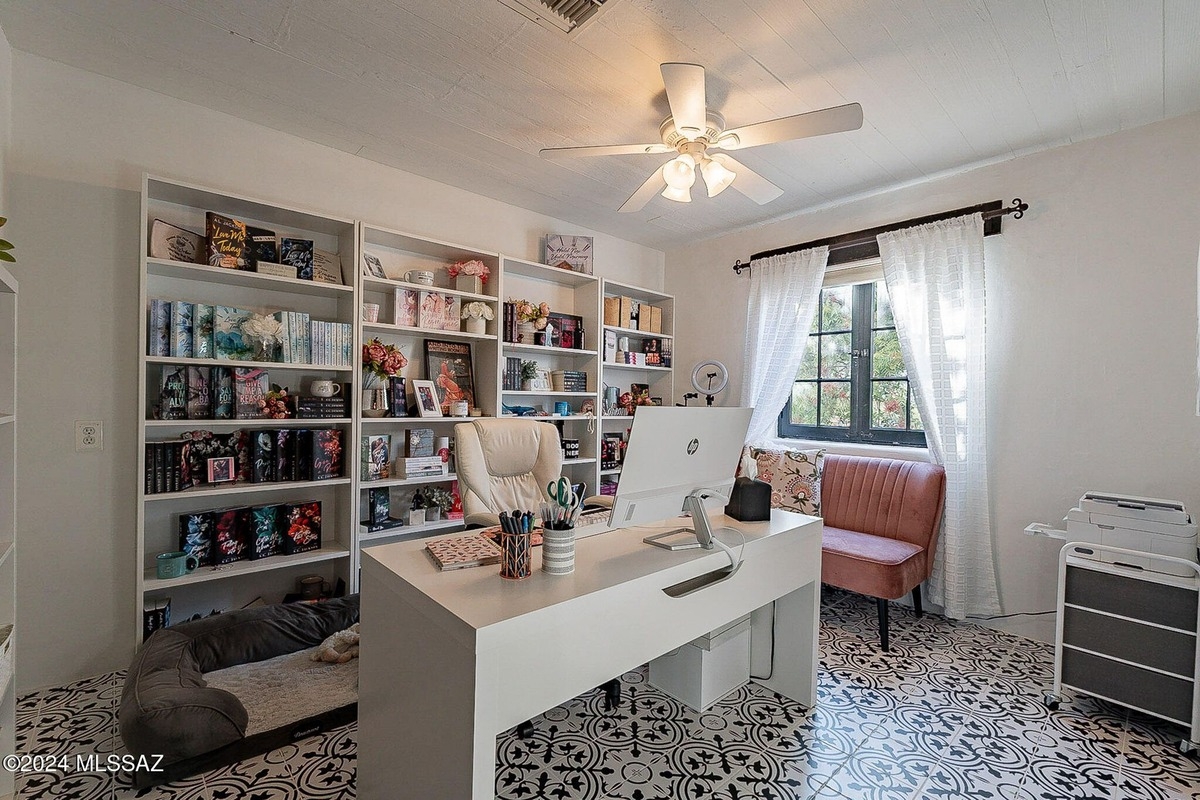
x=692 y=130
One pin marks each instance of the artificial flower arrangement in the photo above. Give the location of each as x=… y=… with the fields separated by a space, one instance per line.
x=477 y=310
x=266 y=331
x=474 y=268
x=275 y=403
x=381 y=361
x=537 y=313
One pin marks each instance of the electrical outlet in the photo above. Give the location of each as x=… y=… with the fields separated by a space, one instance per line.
x=89 y=435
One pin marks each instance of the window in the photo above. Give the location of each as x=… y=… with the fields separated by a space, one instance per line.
x=852 y=385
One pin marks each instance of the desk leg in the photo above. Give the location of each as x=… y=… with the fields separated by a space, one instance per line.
x=793 y=668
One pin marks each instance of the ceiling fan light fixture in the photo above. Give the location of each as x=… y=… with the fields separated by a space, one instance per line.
x=716 y=176
x=680 y=173
x=679 y=195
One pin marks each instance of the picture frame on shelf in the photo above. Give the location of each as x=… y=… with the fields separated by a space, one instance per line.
x=175 y=244
x=570 y=330
x=427 y=398
x=222 y=470
x=373 y=267
x=569 y=252
x=541 y=381
x=448 y=365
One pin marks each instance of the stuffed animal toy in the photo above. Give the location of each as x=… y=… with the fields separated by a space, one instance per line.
x=340 y=647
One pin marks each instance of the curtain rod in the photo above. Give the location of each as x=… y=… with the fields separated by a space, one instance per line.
x=864 y=242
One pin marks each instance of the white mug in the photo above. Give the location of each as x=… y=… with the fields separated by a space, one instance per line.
x=423 y=277
x=324 y=388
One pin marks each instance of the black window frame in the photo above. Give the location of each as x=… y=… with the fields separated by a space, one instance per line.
x=862 y=328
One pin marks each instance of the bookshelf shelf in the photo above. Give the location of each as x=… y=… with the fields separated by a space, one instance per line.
x=638 y=367
x=570 y=462
x=535 y=393
x=422 y=421
x=388 y=284
x=613 y=471
x=427 y=333
x=544 y=272
x=636 y=333
x=164 y=268
x=388 y=482
x=235 y=424
x=513 y=347
x=225 y=362
x=245 y=488
x=414 y=531
x=239 y=568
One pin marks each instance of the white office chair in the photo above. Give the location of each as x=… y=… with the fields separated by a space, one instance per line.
x=505 y=464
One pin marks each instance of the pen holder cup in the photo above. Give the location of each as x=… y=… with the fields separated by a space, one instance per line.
x=516 y=556
x=558 y=550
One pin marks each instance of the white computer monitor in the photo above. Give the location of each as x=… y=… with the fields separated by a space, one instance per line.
x=677 y=460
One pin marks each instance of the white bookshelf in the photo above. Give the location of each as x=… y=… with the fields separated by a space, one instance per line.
x=233 y=585
x=8 y=521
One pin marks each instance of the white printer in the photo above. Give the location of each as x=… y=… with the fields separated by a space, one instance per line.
x=1156 y=527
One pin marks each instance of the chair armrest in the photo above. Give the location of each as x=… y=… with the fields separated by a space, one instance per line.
x=481 y=519
x=598 y=501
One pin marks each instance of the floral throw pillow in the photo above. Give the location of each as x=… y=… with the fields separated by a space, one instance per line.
x=795 y=478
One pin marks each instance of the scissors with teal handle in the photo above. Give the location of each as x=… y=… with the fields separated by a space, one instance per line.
x=561 y=493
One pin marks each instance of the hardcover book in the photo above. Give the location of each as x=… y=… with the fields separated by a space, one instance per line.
x=378 y=503
x=222 y=393
x=326 y=454
x=262 y=246
x=158 y=339
x=418 y=443
x=327 y=267
x=397 y=397
x=199 y=393
x=302 y=458
x=376 y=455
x=458 y=552
x=250 y=386
x=303 y=532
x=405 y=312
x=228 y=341
x=299 y=254
x=227 y=246
x=196 y=536
x=175 y=243
x=229 y=542
x=202 y=330
x=285 y=454
x=181 y=329
x=262 y=456
x=264 y=536
x=172 y=393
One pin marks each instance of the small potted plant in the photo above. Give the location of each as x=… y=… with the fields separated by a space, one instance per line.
x=469 y=276
x=439 y=501
x=529 y=370
x=476 y=315
x=531 y=317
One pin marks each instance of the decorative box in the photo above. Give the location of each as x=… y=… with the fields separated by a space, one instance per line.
x=469 y=283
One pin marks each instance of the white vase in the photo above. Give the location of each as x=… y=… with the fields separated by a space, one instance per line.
x=374 y=402
x=469 y=283
x=474 y=324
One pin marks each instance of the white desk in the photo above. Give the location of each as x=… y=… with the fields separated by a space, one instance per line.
x=450 y=660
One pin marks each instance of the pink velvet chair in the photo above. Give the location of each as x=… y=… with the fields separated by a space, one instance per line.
x=881 y=520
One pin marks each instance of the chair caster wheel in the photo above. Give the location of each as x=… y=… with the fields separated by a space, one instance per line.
x=525 y=729
x=1050 y=700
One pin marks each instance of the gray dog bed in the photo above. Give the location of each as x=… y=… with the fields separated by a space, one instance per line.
x=208 y=693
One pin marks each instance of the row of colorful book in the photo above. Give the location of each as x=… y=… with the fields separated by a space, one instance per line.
x=179 y=329
x=432 y=310
x=225 y=535
x=652 y=352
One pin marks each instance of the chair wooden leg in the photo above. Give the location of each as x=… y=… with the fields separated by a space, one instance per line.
x=883 y=622
x=916 y=595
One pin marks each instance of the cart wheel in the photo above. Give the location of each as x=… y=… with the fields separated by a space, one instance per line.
x=1188 y=748
x=1050 y=700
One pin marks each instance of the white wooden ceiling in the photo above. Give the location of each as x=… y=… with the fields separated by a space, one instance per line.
x=467 y=91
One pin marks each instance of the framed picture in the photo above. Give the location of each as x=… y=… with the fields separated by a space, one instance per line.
x=541 y=381
x=448 y=366
x=221 y=470
x=427 y=399
x=569 y=252
x=373 y=267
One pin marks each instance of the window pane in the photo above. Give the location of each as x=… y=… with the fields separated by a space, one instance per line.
x=835 y=404
x=808 y=367
x=804 y=404
x=888 y=399
x=837 y=306
x=886 y=361
x=835 y=355
x=915 y=417
x=883 y=307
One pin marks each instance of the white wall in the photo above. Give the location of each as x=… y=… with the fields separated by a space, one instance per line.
x=80 y=145
x=1091 y=327
x=5 y=116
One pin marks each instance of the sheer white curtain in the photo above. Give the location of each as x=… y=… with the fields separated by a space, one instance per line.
x=784 y=291
x=934 y=276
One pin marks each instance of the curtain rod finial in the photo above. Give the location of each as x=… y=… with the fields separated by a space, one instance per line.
x=1021 y=208
x=738 y=266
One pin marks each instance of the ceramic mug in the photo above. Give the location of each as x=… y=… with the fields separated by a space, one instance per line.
x=324 y=388
x=423 y=277
x=562 y=408
x=370 y=312
x=175 y=564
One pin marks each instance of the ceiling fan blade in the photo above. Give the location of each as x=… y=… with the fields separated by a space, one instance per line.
x=748 y=182
x=815 y=123
x=685 y=92
x=653 y=185
x=604 y=150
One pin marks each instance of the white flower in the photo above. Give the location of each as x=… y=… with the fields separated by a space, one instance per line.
x=262 y=328
x=476 y=309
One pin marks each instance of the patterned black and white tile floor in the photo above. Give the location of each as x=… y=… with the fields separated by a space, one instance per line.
x=952 y=712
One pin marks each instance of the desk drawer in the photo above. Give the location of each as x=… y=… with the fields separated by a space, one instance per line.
x=1159 y=648
x=1132 y=596
x=1129 y=685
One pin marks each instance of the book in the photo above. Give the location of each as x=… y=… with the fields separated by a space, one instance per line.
x=262 y=456
x=250 y=386
x=156 y=614
x=418 y=443
x=376 y=451
x=196 y=536
x=158 y=331
x=264 y=537
x=431 y=310
x=326 y=267
x=610 y=346
x=148 y=468
x=326 y=454
x=388 y=524
x=458 y=552
x=303 y=532
x=285 y=453
x=172 y=392
x=202 y=330
x=175 y=244
x=397 y=396
x=199 y=393
x=229 y=540
x=226 y=238
x=302 y=455
x=228 y=342
x=181 y=329
x=299 y=254
x=262 y=248
x=378 y=503
x=222 y=393
x=405 y=311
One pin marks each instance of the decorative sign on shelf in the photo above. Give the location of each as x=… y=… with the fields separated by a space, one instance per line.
x=569 y=252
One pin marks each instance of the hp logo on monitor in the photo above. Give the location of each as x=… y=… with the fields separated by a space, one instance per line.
x=693 y=446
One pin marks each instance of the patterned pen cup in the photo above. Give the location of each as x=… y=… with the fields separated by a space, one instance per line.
x=558 y=551
x=516 y=555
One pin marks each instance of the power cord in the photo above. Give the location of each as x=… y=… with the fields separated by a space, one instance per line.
x=1017 y=614
x=733 y=560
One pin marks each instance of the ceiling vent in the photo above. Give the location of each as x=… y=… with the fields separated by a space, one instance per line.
x=568 y=16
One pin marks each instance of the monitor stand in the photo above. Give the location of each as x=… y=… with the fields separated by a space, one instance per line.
x=700 y=535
